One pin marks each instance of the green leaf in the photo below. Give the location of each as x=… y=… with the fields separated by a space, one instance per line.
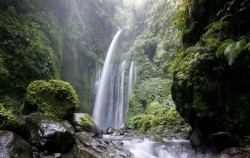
x=233 y=51
x=220 y=51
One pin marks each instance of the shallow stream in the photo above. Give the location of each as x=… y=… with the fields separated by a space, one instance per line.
x=145 y=148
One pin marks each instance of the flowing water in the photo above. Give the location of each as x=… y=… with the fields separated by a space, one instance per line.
x=97 y=79
x=170 y=148
x=119 y=113
x=112 y=103
x=109 y=109
x=131 y=77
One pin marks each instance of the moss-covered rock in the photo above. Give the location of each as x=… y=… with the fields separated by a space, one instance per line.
x=211 y=74
x=54 y=97
x=88 y=123
x=84 y=122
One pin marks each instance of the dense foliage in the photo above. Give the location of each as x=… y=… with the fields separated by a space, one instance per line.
x=7 y=118
x=53 y=97
x=211 y=71
x=52 y=39
x=151 y=108
x=25 y=53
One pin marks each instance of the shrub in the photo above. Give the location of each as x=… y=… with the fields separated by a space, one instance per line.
x=155 y=118
x=53 y=97
x=7 y=118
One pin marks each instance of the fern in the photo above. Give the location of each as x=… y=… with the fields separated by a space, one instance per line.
x=220 y=51
x=233 y=51
x=214 y=28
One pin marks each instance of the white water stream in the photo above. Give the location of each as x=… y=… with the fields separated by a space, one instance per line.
x=170 y=148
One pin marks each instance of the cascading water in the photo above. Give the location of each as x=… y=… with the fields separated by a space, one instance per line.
x=119 y=113
x=107 y=111
x=131 y=77
x=169 y=148
x=97 y=79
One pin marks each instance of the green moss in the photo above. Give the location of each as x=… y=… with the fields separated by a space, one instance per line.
x=54 y=97
x=1 y=107
x=87 y=123
x=210 y=75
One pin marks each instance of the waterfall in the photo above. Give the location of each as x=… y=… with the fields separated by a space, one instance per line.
x=120 y=113
x=132 y=76
x=97 y=79
x=131 y=81
x=105 y=107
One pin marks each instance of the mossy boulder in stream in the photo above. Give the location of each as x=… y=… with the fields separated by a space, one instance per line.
x=53 y=97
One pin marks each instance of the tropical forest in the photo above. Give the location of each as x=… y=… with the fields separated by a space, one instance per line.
x=124 y=78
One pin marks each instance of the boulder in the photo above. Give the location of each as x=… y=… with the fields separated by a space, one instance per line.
x=84 y=122
x=50 y=134
x=197 y=139
x=222 y=140
x=13 y=146
x=98 y=134
x=55 y=97
x=121 y=131
x=235 y=152
x=88 y=147
x=110 y=130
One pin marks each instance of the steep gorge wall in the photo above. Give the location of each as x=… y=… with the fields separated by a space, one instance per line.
x=43 y=39
x=211 y=71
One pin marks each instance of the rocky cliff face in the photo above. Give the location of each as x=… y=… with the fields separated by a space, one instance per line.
x=53 y=39
x=211 y=72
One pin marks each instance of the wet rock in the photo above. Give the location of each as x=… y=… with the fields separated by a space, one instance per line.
x=222 y=140
x=121 y=131
x=88 y=147
x=50 y=134
x=98 y=134
x=84 y=122
x=55 y=155
x=235 y=152
x=13 y=146
x=110 y=130
x=196 y=138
